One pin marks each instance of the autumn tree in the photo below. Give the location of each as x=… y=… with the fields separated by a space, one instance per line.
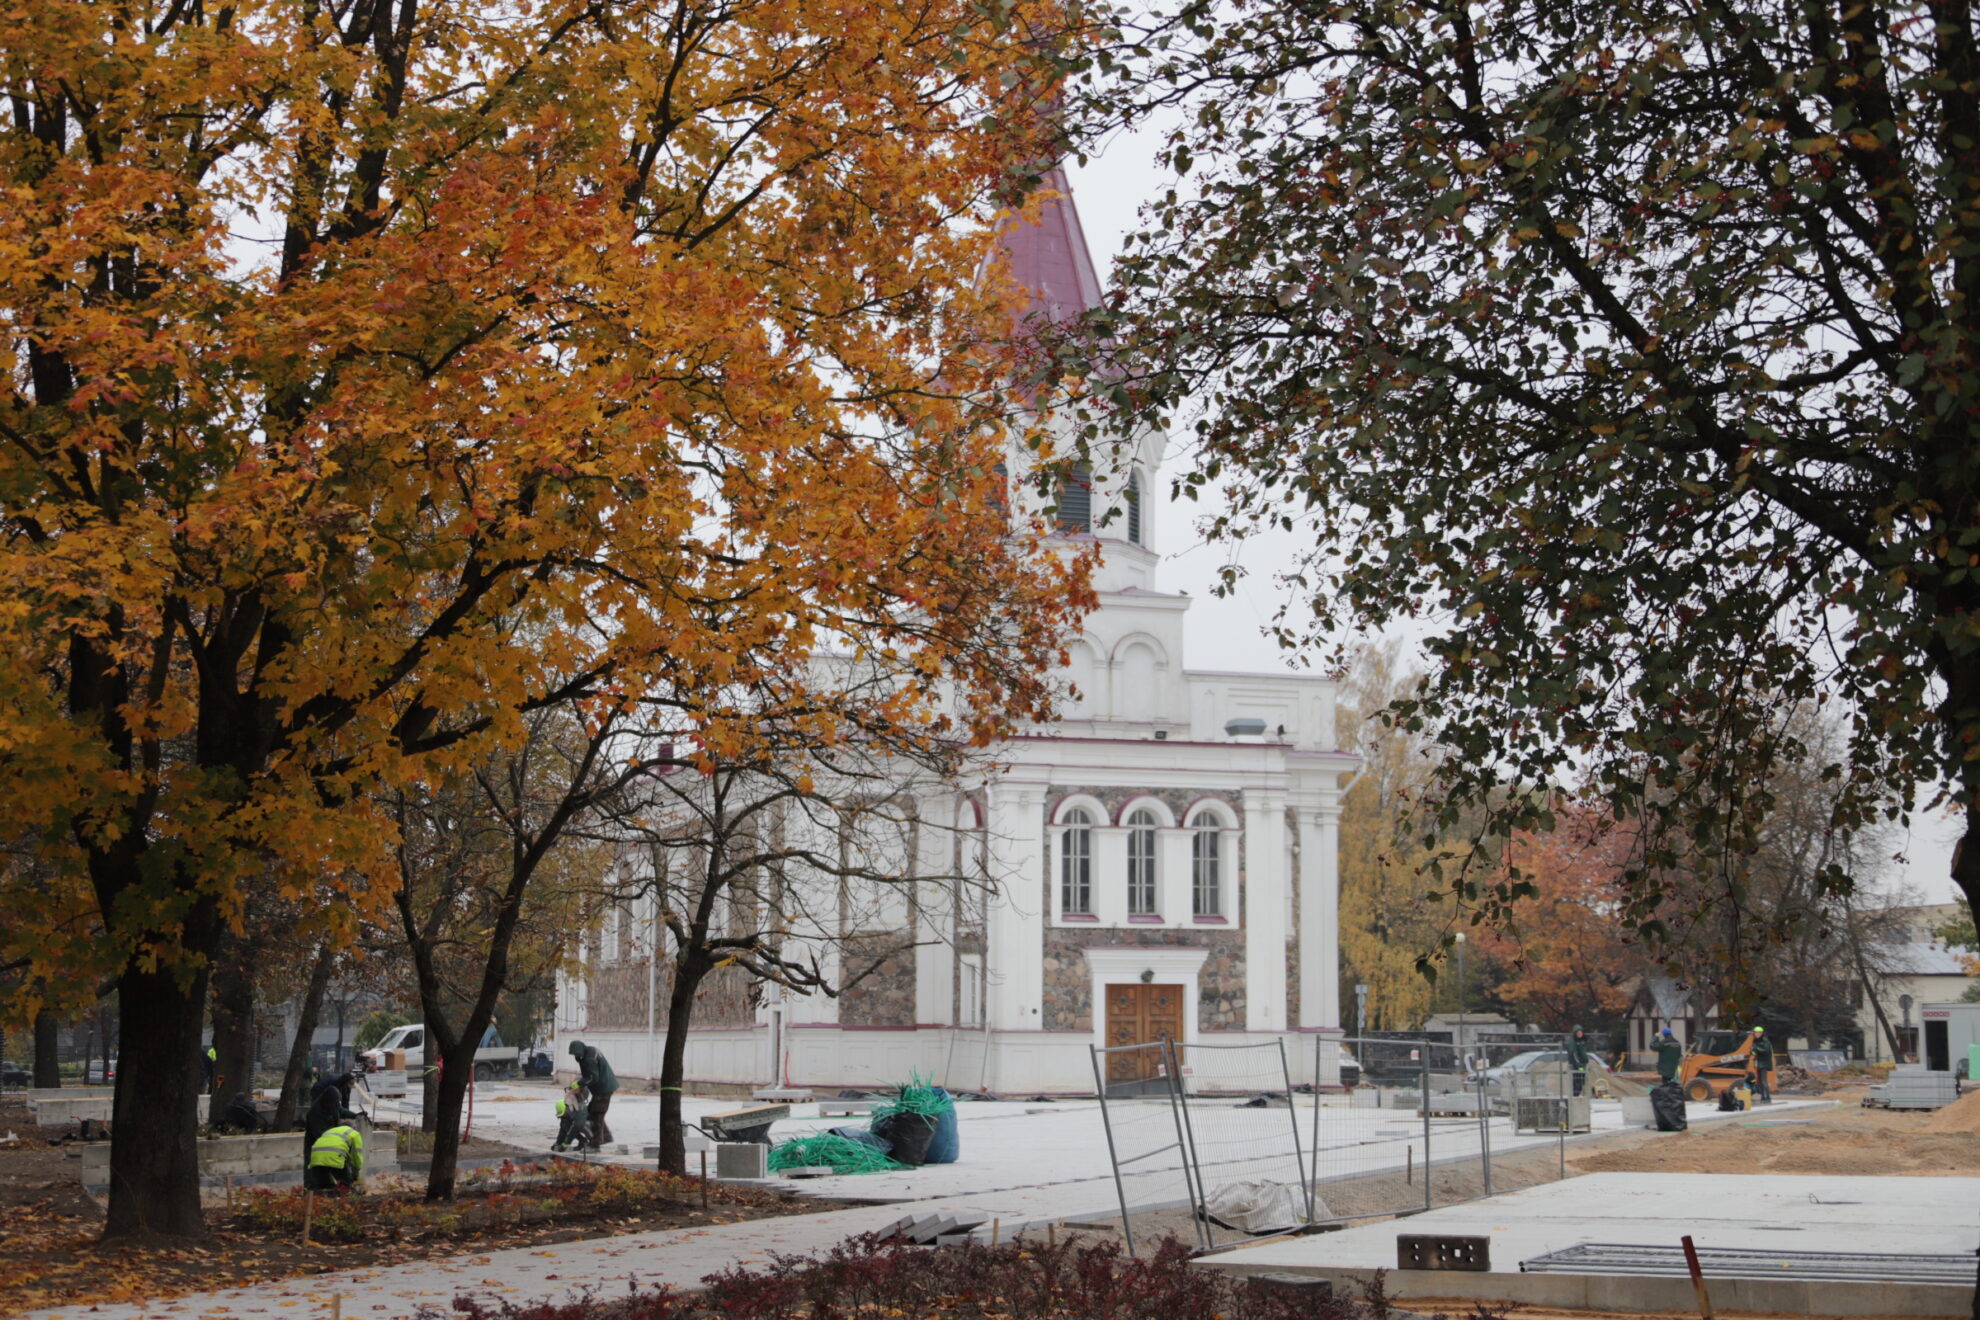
x=377 y=374
x=1628 y=346
x=495 y=865
x=805 y=865
x=1386 y=927
x=1568 y=960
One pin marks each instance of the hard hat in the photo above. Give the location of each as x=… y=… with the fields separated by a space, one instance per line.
x=1759 y=1031
x=1667 y=1031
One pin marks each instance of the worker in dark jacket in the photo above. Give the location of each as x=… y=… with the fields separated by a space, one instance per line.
x=1763 y=1066
x=1670 y=1056
x=597 y=1077
x=240 y=1116
x=328 y=1106
x=1577 y=1052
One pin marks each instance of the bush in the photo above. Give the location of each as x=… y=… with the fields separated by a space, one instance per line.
x=1029 y=1281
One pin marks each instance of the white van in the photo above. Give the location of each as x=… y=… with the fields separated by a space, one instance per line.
x=492 y=1060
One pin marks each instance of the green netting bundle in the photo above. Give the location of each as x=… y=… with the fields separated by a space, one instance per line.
x=840 y=1154
x=919 y=1096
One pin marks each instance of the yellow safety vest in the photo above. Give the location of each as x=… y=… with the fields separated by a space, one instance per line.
x=340 y=1147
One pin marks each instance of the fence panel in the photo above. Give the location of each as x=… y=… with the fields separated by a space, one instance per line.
x=1145 y=1139
x=1244 y=1138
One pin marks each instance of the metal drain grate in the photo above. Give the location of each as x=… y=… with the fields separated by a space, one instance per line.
x=1753 y=1263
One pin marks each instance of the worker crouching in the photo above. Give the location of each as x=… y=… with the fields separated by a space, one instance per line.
x=336 y=1161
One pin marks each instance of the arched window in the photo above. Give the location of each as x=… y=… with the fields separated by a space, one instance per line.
x=1134 y=506
x=1206 y=859
x=1141 y=863
x=1076 y=864
x=1076 y=501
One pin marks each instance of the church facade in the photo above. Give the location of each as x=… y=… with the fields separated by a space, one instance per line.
x=1161 y=861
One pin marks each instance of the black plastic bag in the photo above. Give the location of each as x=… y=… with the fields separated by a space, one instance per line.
x=1667 y=1104
x=909 y=1135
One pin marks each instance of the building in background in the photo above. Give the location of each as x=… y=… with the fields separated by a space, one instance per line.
x=1163 y=856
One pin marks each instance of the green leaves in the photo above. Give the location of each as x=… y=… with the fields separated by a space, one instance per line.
x=1626 y=329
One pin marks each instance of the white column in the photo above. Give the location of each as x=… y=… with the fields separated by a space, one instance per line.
x=934 y=926
x=1014 y=957
x=1320 y=911
x=1265 y=883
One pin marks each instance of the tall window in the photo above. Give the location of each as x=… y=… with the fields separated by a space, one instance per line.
x=1134 y=506
x=1076 y=501
x=1206 y=867
x=1076 y=864
x=1141 y=863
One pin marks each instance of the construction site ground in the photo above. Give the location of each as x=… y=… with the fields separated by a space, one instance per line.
x=1833 y=1135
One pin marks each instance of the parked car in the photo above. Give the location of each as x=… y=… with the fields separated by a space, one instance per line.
x=99 y=1072
x=13 y=1074
x=1531 y=1059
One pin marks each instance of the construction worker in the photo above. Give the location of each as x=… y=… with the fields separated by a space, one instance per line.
x=597 y=1077
x=1577 y=1052
x=1763 y=1066
x=336 y=1160
x=572 y=1121
x=329 y=1106
x=207 y=1061
x=1670 y=1056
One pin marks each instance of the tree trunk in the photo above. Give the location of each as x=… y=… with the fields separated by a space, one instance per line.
x=154 y=1165
x=689 y=968
x=450 y=1100
x=233 y=1017
x=47 y=1050
x=312 y=1007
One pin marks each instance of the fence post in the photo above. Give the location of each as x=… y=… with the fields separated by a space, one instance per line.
x=1485 y=1131
x=1292 y=1121
x=1113 y=1155
x=1186 y=1135
x=1313 y=1183
x=1423 y=1108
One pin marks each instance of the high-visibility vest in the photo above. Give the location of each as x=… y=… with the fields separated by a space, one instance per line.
x=341 y=1147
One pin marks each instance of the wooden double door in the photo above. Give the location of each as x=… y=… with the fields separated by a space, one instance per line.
x=1140 y=1014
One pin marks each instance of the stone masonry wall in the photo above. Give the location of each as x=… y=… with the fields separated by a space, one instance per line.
x=1069 y=983
x=885 y=996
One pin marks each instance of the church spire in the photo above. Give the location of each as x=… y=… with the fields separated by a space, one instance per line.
x=1050 y=260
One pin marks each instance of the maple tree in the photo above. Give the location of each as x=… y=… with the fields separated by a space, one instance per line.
x=1566 y=958
x=379 y=373
x=1629 y=347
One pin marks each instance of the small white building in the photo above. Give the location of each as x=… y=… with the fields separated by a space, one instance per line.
x=1164 y=856
x=1909 y=973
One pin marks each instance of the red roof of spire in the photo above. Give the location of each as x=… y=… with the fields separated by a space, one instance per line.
x=1050 y=259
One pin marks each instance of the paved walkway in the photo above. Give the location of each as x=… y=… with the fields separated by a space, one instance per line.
x=681 y=1258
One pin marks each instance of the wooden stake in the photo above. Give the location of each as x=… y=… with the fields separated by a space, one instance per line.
x=309 y=1208
x=1409 y=1166
x=704 y=1180
x=996 y=1231
x=336 y=1306
x=230 y=1191
x=1697 y=1278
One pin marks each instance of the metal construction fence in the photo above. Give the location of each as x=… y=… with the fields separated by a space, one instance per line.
x=1215 y=1142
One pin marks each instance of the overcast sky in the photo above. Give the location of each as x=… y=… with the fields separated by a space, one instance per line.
x=1229 y=633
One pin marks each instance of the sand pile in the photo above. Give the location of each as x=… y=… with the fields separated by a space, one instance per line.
x=1962 y=1115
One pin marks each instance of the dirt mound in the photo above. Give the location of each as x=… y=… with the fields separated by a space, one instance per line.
x=1962 y=1115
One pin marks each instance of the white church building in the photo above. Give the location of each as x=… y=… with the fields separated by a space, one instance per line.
x=1163 y=860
